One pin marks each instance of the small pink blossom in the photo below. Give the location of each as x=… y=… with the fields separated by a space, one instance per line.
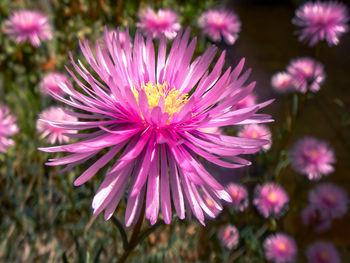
x=259 y=131
x=330 y=199
x=220 y=23
x=50 y=83
x=29 y=25
x=239 y=196
x=270 y=199
x=48 y=125
x=321 y=21
x=307 y=74
x=280 y=248
x=164 y=22
x=312 y=157
x=316 y=218
x=247 y=101
x=8 y=128
x=322 y=252
x=282 y=82
x=229 y=236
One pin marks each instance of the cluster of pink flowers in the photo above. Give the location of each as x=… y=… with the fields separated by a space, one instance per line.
x=302 y=75
x=312 y=157
x=321 y=21
x=8 y=128
x=280 y=248
x=229 y=236
x=50 y=83
x=322 y=252
x=143 y=112
x=256 y=131
x=239 y=196
x=270 y=199
x=47 y=126
x=157 y=24
x=220 y=24
x=31 y=25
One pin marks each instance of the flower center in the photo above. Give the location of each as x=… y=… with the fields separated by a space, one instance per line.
x=172 y=99
x=272 y=197
x=324 y=255
x=254 y=134
x=282 y=246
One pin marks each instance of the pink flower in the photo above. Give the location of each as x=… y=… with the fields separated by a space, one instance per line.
x=282 y=82
x=312 y=157
x=122 y=35
x=270 y=199
x=321 y=21
x=280 y=248
x=239 y=196
x=8 y=128
x=50 y=124
x=256 y=131
x=247 y=101
x=307 y=74
x=137 y=105
x=29 y=25
x=220 y=23
x=229 y=236
x=50 y=83
x=316 y=218
x=330 y=199
x=164 y=22
x=322 y=252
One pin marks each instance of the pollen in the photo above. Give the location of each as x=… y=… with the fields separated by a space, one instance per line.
x=173 y=99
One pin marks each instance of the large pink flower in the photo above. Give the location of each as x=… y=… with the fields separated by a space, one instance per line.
x=280 y=248
x=50 y=83
x=329 y=198
x=47 y=128
x=8 y=128
x=322 y=252
x=164 y=22
x=220 y=23
x=312 y=157
x=143 y=113
x=256 y=131
x=307 y=74
x=29 y=25
x=270 y=199
x=321 y=21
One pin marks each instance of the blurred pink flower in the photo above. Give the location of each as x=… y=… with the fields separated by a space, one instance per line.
x=164 y=22
x=316 y=218
x=280 y=248
x=140 y=109
x=50 y=83
x=330 y=199
x=270 y=199
x=229 y=236
x=321 y=21
x=282 y=82
x=239 y=196
x=50 y=124
x=29 y=25
x=312 y=157
x=8 y=128
x=322 y=252
x=220 y=23
x=307 y=74
x=259 y=131
x=247 y=101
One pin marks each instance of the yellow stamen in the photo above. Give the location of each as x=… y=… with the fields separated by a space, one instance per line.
x=254 y=134
x=272 y=197
x=210 y=203
x=174 y=99
x=282 y=246
x=324 y=255
x=331 y=197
